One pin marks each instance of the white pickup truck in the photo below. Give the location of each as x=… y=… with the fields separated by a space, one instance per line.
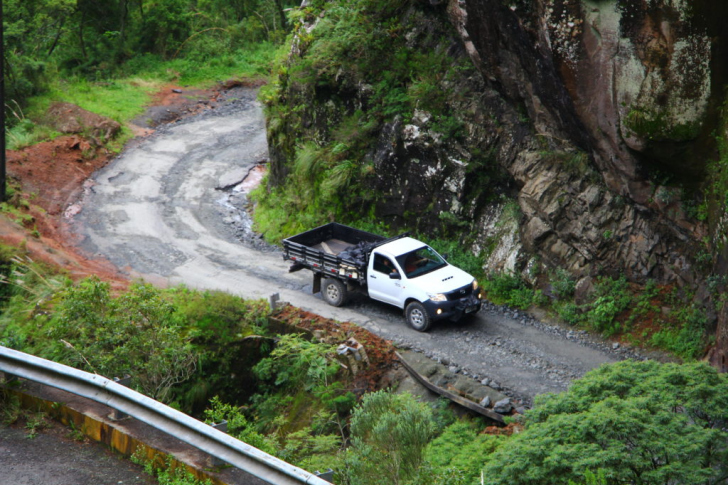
x=401 y=271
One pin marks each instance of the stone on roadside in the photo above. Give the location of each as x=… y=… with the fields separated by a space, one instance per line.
x=503 y=406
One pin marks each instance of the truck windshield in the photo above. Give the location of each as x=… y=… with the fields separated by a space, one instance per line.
x=420 y=261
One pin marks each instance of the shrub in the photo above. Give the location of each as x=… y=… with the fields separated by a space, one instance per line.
x=638 y=422
x=687 y=340
x=612 y=298
x=563 y=284
x=508 y=288
x=389 y=436
x=237 y=425
x=455 y=448
x=132 y=334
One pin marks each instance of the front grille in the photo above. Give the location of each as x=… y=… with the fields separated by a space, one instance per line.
x=463 y=292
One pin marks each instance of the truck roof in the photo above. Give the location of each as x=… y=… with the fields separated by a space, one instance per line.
x=401 y=246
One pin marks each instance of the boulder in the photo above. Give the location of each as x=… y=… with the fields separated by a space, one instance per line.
x=71 y=119
x=503 y=406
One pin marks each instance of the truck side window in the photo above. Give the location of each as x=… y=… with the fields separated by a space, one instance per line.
x=383 y=264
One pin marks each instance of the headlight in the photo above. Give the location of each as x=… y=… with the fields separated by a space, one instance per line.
x=475 y=285
x=437 y=297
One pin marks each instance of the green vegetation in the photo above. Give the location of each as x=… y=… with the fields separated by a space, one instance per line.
x=168 y=473
x=48 y=40
x=108 y=58
x=294 y=372
x=650 y=316
x=355 y=75
x=124 y=97
x=657 y=126
x=714 y=208
x=390 y=432
x=632 y=422
x=505 y=288
x=450 y=455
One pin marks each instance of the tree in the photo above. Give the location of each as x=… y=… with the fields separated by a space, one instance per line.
x=389 y=436
x=632 y=422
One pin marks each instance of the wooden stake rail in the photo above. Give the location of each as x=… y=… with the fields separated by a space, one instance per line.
x=453 y=397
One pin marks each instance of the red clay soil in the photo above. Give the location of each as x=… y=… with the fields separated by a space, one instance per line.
x=50 y=177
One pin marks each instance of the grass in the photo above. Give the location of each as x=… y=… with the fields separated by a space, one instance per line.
x=27 y=133
x=125 y=97
x=254 y=62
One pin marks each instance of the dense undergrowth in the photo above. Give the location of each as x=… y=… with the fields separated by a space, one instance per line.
x=357 y=67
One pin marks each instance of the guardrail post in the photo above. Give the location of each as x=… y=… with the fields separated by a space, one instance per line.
x=328 y=475
x=117 y=415
x=273 y=301
x=214 y=462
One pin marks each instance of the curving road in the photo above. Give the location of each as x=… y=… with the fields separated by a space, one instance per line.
x=170 y=209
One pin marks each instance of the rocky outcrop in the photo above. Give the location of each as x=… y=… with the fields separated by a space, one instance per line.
x=631 y=86
x=637 y=86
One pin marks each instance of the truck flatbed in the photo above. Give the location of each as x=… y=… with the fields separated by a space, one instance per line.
x=331 y=249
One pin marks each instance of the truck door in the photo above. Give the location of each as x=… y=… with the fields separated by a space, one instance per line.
x=380 y=286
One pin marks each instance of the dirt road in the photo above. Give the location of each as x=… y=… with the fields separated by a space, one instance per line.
x=171 y=210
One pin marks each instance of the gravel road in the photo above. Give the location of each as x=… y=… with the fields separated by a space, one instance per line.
x=171 y=210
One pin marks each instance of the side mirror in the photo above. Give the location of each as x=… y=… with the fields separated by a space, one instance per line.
x=445 y=256
x=394 y=276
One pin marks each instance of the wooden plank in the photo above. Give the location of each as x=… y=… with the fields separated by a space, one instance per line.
x=453 y=397
x=326 y=247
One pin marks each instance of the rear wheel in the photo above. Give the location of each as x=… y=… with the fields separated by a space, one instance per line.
x=417 y=316
x=334 y=292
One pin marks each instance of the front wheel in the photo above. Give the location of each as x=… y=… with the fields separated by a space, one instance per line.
x=334 y=292
x=417 y=316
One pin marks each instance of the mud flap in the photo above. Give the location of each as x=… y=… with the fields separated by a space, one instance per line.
x=316 y=283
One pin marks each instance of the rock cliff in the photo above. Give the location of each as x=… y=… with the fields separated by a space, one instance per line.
x=583 y=136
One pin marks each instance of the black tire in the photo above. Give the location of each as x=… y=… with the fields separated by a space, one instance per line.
x=334 y=292
x=417 y=317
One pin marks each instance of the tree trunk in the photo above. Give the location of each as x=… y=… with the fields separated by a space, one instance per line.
x=281 y=14
x=80 y=35
x=58 y=36
x=122 y=28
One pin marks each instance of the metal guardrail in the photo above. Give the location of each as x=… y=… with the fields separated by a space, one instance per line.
x=175 y=423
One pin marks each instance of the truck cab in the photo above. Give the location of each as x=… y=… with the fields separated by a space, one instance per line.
x=412 y=276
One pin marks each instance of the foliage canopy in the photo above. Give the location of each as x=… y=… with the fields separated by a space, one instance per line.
x=634 y=422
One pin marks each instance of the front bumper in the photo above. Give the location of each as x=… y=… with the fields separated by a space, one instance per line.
x=454 y=309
